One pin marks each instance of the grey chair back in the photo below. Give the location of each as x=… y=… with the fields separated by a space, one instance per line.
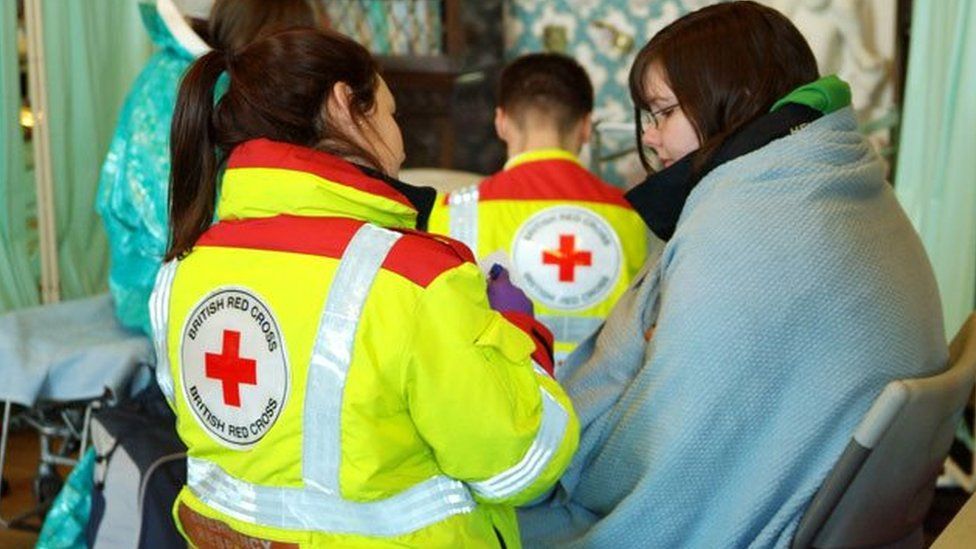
x=879 y=491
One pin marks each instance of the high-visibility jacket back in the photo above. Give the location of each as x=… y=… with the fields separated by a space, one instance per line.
x=574 y=242
x=339 y=379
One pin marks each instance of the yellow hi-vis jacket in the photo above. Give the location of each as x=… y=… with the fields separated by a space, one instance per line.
x=340 y=380
x=574 y=242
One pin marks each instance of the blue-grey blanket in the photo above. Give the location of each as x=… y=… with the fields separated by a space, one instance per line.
x=793 y=290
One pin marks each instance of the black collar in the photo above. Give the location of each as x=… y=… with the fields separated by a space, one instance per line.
x=422 y=198
x=661 y=197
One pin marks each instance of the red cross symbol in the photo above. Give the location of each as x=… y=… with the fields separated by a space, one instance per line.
x=567 y=257
x=231 y=369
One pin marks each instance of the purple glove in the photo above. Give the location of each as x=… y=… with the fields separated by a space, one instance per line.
x=503 y=296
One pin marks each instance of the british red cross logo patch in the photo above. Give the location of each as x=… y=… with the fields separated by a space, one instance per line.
x=566 y=257
x=234 y=369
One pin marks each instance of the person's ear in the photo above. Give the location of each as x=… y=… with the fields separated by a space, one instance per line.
x=586 y=128
x=501 y=124
x=339 y=106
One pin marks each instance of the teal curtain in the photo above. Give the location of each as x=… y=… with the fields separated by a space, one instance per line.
x=377 y=17
x=936 y=175
x=93 y=51
x=19 y=270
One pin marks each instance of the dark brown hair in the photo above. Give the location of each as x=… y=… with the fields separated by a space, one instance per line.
x=234 y=24
x=278 y=90
x=549 y=83
x=727 y=64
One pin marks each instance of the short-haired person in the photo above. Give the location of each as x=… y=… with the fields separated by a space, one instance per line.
x=574 y=242
x=727 y=381
x=132 y=191
x=340 y=378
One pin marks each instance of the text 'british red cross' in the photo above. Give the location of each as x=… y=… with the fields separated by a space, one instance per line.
x=567 y=258
x=231 y=369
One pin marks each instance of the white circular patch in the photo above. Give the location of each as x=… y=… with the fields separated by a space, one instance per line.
x=567 y=257
x=234 y=367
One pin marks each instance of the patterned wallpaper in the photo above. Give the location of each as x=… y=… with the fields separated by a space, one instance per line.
x=850 y=37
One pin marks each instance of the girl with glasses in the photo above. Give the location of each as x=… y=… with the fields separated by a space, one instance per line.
x=727 y=381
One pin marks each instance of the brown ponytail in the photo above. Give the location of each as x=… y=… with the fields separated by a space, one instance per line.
x=193 y=155
x=278 y=90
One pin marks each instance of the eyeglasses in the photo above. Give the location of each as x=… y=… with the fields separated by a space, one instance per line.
x=656 y=118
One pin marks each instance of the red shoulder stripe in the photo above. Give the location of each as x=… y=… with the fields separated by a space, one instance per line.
x=264 y=153
x=459 y=248
x=418 y=257
x=323 y=236
x=422 y=257
x=550 y=180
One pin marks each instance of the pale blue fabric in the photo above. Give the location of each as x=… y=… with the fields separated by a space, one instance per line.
x=793 y=290
x=73 y=350
x=134 y=187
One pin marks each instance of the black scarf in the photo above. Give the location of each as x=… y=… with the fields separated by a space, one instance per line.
x=660 y=198
x=422 y=198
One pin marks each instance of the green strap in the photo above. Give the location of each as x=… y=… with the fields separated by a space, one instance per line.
x=826 y=95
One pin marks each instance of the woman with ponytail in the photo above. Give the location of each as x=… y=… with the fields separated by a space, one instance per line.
x=340 y=378
x=132 y=195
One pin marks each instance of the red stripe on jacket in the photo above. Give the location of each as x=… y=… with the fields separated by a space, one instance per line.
x=555 y=179
x=417 y=256
x=264 y=153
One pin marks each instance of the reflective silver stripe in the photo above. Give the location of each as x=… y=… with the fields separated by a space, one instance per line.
x=464 y=216
x=570 y=329
x=547 y=440
x=332 y=354
x=159 y=318
x=308 y=509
